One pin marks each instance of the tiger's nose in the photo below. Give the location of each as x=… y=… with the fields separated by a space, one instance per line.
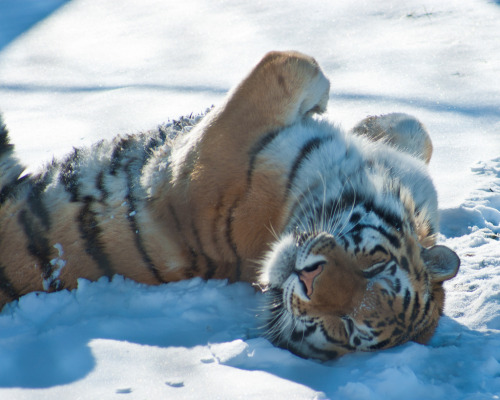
x=308 y=275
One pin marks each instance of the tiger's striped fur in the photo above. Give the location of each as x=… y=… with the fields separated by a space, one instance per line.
x=339 y=229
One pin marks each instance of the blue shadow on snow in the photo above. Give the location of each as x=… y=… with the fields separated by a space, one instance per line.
x=19 y=16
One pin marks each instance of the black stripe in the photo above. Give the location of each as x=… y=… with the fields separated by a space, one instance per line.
x=153 y=143
x=409 y=250
x=38 y=246
x=416 y=307
x=374 y=271
x=35 y=198
x=376 y=333
x=357 y=238
x=5 y=146
x=355 y=217
x=407 y=299
x=392 y=239
x=326 y=354
x=259 y=146
x=417 y=275
x=162 y=134
x=134 y=226
x=310 y=330
x=397 y=286
x=350 y=326
x=69 y=174
x=404 y=264
x=193 y=268
x=176 y=219
x=397 y=332
x=6 y=149
x=211 y=265
x=331 y=339
x=138 y=148
x=393 y=269
x=12 y=188
x=230 y=240
x=6 y=285
x=99 y=183
x=380 y=345
x=91 y=232
x=381 y=324
x=116 y=163
x=308 y=147
x=387 y=216
x=380 y=248
x=427 y=305
x=299 y=334
x=119 y=152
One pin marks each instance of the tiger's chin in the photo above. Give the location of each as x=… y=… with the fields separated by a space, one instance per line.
x=300 y=334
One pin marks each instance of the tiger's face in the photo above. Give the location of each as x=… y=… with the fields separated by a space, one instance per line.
x=368 y=289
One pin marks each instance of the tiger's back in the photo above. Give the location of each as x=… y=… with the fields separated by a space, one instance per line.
x=80 y=217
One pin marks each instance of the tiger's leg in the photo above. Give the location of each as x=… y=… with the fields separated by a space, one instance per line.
x=210 y=178
x=282 y=88
x=402 y=131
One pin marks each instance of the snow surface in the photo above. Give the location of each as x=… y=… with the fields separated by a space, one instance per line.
x=72 y=72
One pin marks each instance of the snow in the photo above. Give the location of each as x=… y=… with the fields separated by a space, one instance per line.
x=72 y=72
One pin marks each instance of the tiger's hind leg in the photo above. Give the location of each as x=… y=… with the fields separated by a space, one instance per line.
x=403 y=131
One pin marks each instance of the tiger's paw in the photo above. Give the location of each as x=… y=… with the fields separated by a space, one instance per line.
x=305 y=88
x=404 y=132
x=283 y=88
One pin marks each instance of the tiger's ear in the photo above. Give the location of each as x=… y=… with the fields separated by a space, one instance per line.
x=441 y=262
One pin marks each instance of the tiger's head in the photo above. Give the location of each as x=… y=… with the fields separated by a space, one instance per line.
x=366 y=286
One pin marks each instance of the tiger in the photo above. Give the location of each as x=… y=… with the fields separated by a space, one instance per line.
x=337 y=229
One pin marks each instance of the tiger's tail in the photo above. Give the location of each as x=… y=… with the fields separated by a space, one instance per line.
x=10 y=166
